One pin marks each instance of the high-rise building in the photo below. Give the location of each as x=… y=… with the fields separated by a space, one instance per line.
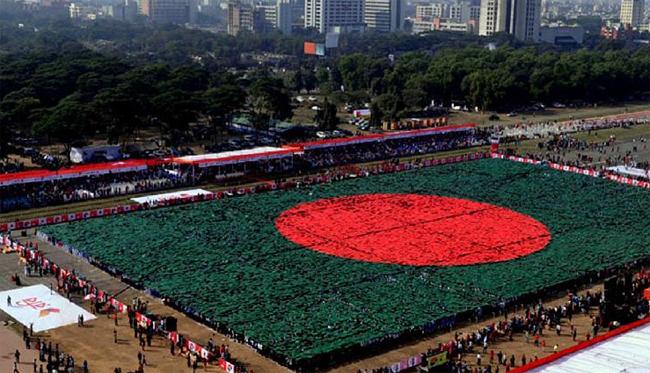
x=240 y=18
x=384 y=15
x=166 y=11
x=265 y=18
x=284 y=16
x=632 y=12
x=520 y=18
x=526 y=19
x=334 y=15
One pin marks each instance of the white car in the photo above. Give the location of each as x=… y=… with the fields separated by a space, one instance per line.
x=322 y=135
x=315 y=107
x=312 y=98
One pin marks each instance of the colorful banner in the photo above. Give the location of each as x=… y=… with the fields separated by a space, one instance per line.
x=437 y=359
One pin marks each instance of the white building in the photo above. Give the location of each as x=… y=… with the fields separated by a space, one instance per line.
x=384 y=15
x=77 y=11
x=521 y=18
x=429 y=11
x=334 y=15
x=632 y=12
x=562 y=35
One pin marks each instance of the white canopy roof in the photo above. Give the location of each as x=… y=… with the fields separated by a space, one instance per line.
x=630 y=171
x=627 y=352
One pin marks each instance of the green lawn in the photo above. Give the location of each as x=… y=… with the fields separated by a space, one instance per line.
x=226 y=260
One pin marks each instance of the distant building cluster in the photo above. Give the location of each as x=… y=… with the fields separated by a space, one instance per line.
x=550 y=21
x=261 y=17
x=632 y=22
x=460 y=17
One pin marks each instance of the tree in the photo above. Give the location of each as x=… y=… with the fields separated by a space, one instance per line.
x=175 y=110
x=220 y=103
x=67 y=122
x=376 y=115
x=120 y=112
x=326 y=118
x=271 y=99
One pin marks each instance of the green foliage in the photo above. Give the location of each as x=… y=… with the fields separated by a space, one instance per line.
x=67 y=122
x=326 y=118
x=271 y=98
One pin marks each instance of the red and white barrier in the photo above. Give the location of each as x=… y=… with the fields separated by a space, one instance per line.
x=555 y=166
x=628 y=181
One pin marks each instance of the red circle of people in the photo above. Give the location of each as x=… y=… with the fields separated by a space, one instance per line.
x=413 y=229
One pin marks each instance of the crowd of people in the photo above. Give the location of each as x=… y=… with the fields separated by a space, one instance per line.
x=388 y=149
x=50 y=359
x=30 y=195
x=68 y=284
x=56 y=192
x=476 y=351
x=536 y=130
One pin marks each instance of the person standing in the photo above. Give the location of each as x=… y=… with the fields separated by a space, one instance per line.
x=115 y=335
x=17 y=357
x=8 y=301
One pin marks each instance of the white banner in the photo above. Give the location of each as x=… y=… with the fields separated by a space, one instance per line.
x=43 y=309
x=155 y=198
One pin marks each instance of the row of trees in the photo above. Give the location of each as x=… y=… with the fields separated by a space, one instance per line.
x=501 y=79
x=68 y=82
x=81 y=94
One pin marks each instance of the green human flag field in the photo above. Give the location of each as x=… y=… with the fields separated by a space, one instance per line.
x=227 y=260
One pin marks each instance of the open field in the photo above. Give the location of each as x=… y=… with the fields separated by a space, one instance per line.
x=550 y=114
x=301 y=303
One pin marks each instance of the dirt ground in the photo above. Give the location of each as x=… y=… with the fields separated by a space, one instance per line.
x=518 y=346
x=10 y=341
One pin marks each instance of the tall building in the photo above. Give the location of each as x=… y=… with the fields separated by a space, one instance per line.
x=521 y=18
x=384 y=15
x=632 y=12
x=334 y=15
x=526 y=19
x=166 y=11
x=493 y=16
x=240 y=18
x=265 y=18
x=284 y=16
